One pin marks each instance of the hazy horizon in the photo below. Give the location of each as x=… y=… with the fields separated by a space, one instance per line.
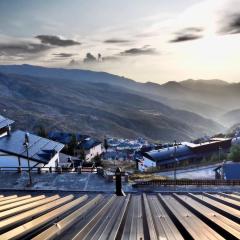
x=147 y=41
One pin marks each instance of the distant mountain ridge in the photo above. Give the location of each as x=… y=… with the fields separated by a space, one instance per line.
x=232 y=117
x=95 y=103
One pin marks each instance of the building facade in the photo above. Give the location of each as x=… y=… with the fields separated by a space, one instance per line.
x=15 y=152
x=185 y=153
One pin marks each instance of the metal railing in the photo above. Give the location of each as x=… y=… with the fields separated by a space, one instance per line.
x=196 y=182
x=48 y=169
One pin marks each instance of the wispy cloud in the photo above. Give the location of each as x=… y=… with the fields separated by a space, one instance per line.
x=231 y=24
x=22 y=48
x=110 y=59
x=63 y=55
x=145 y=50
x=117 y=41
x=56 y=41
x=187 y=34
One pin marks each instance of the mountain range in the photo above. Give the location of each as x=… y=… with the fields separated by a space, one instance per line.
x=99 y=103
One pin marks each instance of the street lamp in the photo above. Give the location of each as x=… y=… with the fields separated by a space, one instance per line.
x=175 y=168
x=26 y=145
x=175 y=160
x=223 y=169
x=219 y=153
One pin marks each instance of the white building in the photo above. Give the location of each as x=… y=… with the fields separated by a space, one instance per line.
x=5 y=126
x=91 y=147
x=146 y=163
x=41 y=152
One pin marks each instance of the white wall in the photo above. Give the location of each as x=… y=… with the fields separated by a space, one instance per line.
x=93 y=152
x=147 y=163
x=12 y=161
x=53 y=162
x=3 y=134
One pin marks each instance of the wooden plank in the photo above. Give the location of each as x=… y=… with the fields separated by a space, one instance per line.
x=19 y=203
x=235 y=196
x=137 y=219
x=196 y=228
x=151 y=227
x=164 y=225
x=133 y=228
x=16 y=199
x=128 y=222
x=103 y=227
x=6 y=223
x=118 y=221
x=227 y=201
x=231 y=196
x=83 y=233
x=217 y=205
x=7 y=198
x=22 y=230
x=67 y=222
x=229 y=227
x=237 y=193
x=23 y=208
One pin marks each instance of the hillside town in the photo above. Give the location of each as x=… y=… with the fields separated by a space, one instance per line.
x=61 y=150
x=119 y=120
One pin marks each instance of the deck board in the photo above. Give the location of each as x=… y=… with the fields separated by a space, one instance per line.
x=168 y=216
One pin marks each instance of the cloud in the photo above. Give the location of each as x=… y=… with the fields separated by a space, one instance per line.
x=63 y=55
x=110 y=59
x=56 y=41
x=22 y=48
x=145 y=50
x=232 y=26
x=117 y=40
x=90 y=58
x=187 y=34
x=73 y=63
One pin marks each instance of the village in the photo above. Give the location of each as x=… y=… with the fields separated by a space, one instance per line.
x=60 y=152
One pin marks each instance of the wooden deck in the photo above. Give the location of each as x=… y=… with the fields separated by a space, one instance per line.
x=173 y=216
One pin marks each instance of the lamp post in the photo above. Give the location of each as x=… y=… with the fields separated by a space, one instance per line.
x=26 y=145
x=219 y=159
x=219 y=153
x=223 y=169
x=175 y=161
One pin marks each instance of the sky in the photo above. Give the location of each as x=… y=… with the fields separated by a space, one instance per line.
x=145 y=40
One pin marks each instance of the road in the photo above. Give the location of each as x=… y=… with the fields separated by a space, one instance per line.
x=205 y=172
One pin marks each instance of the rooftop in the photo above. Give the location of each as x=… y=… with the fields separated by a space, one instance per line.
x=89 y=143
x=65 y=137
x=40 y=149
x=212 y=141
x=186 y=150
x=86 y=216
x=168 y=153
x=4 y=122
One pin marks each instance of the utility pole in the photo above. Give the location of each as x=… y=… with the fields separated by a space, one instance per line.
x=175 y=161
x=26 y=145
